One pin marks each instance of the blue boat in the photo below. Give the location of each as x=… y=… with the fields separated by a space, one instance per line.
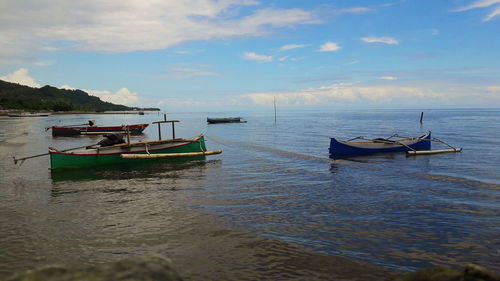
x=363 y=146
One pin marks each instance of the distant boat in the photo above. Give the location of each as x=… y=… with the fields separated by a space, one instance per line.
x=362 y=146
x=225 y=120
x=91 y=129
x=28 y=114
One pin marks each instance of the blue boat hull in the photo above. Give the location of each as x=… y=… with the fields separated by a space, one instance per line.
x=340 y=149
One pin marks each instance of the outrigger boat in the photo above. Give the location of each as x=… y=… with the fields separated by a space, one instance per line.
x=225 y=120
x=114 y=150
x=363 y=146
x=92 y=129
x=127 y=152
x=29 y=114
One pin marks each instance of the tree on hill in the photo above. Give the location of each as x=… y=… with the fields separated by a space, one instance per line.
x=15 y=96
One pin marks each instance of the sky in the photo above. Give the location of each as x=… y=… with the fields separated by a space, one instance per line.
x=243 y=54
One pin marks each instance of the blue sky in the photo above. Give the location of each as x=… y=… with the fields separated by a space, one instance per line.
x=227 y=54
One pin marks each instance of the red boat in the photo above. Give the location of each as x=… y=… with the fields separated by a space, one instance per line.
x=91 y=129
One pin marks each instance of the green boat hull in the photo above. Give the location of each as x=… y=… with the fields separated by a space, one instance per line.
x=69 y=160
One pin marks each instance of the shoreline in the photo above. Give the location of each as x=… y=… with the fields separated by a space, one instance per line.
x=7 y=112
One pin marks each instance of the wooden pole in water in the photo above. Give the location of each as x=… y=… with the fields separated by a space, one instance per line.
x=128 y=136
x=274 y=98
x=421 y=117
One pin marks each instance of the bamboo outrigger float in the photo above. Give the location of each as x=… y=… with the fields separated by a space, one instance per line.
x=436 y=151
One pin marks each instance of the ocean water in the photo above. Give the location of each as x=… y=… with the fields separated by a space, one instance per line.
x=271 y=206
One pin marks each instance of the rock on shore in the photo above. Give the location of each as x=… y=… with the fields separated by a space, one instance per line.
x=441 y=273
x=143 y=268
x=157 y=268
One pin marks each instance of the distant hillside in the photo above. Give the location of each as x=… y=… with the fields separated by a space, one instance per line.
x=15 y=96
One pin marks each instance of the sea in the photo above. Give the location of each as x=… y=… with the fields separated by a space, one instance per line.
x=272 y=206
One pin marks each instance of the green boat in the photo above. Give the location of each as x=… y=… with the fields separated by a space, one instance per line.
x=129 y=152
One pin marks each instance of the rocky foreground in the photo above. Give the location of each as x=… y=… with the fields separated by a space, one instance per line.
x=157 y=268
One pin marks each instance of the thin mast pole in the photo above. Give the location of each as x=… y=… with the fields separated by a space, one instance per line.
x=274 y=98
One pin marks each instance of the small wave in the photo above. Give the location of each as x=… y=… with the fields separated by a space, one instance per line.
x=280 y=152
x=471 y=182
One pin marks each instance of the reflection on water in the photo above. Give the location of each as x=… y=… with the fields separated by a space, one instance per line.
x=151 y=168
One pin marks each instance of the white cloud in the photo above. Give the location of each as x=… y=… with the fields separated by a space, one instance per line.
x=257 y=57
x=494 y=89
x=353 y=62
x=116 y=26
x=184 y=72
x=43 y=63
x=483 y=4
x=434 y=31
x=354 y=10
x=282 y=58
x=22 y=77
x=329 y=47
x=478 y=4
x=292 y=46
x=123 y=96
x=68 y=87
x=189 y=52
x=388 y=78
x=493 y=14
x=385 y=40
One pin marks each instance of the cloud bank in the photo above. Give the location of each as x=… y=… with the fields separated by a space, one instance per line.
x=22 y=77
x=117 y=26
x=123 y=96
x=346 y=94
x=483 y=4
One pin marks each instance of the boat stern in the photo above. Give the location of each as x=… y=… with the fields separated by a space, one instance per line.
x=338 y=149
x=201 y=141
x=424 y=143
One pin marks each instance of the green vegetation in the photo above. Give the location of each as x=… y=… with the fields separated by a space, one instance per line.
x=15 y=96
